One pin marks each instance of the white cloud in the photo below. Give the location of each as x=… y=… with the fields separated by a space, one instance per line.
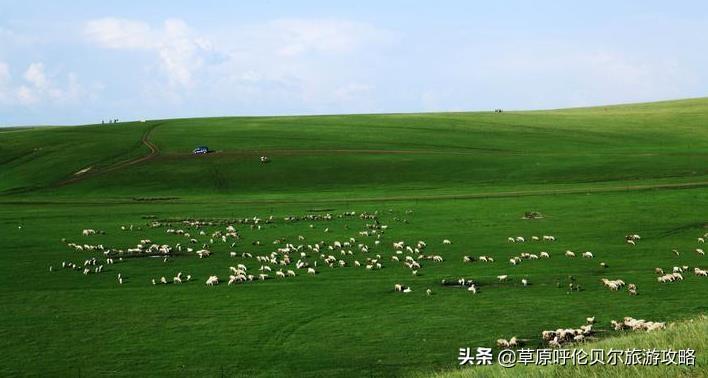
x=26 y=96
x=37 y=87
x=35 y=76
x=291 y=62
x=115 y=33
x=178 y=49
x=298 y=36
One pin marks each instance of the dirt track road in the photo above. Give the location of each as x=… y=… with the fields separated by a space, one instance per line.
x=154 y=151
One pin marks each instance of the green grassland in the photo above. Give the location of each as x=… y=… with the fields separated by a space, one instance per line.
x=596 y=174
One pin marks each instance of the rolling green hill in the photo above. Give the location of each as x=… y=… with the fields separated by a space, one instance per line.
x=595 y=174
x=369 y=154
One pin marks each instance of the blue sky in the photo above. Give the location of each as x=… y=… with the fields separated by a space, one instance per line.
x=84 y=61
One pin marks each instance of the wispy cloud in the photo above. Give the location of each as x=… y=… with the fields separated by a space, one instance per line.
x=290 y=60
x=178 y=48
x=35 y=87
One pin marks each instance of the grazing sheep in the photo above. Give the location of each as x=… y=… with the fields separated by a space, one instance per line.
x=659 y=271
x=446 y=242
x=544 y=255
x=613 y=285
x=700 y=252
x=588 y=255
x=590 y=320
x=524 y=282
x=428 y=292
x=311 y=271
x=637 y=324
x=570 y=253
x=701 y=240
x=472 y=289
x=407 y=290
x=502 y=277
x=176 y=280
x=163 y=280
x=632 y=289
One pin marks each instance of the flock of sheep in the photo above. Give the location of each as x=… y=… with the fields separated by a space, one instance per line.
x=366 y=249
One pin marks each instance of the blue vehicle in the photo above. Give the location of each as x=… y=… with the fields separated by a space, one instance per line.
x=200 y=150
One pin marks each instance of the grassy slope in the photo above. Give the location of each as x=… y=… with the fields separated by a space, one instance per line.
x=345 y=321
x=689 y=334
x=437 y=153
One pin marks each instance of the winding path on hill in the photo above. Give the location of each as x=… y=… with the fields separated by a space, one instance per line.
x=145 y=140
